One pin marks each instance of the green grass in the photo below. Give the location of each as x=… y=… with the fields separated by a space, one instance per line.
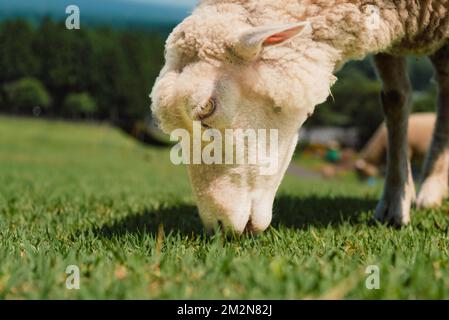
x=86 y=195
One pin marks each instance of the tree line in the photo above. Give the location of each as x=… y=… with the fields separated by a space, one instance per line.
x=99 y=73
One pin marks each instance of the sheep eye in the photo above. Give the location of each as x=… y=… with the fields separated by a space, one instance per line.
x=206 y=110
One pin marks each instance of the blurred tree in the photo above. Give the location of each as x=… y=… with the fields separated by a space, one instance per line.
x=66 y=59
x=421 y=73
x=354 y=103
x=80 y=105
x=26 y=94
x=109 y=74
x=17 y=58
x=2 y=102
x=424 y=101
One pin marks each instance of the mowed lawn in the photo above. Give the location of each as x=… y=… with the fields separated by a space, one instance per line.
x=87 y=195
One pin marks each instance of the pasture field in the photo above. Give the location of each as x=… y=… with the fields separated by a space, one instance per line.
x=87 y=195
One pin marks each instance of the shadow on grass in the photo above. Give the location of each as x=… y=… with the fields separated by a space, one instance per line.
x=319 y=211
x=290 y=212
x=182 y=219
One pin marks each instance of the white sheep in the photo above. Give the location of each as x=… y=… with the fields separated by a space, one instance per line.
x=239 y=64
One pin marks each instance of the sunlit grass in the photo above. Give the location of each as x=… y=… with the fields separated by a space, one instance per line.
x=86 y=195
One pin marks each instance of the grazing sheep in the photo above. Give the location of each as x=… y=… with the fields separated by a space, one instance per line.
x=266 y=64
x=373 y=155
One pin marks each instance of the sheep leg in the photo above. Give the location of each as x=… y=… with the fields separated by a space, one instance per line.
x=399 y=190
x=434 y=187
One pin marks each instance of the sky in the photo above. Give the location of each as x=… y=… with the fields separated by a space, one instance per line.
x=180 y=3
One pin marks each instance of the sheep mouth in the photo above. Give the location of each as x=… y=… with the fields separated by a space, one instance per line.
x=250 y=228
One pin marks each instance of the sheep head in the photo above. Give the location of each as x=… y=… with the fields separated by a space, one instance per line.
x=229 y=77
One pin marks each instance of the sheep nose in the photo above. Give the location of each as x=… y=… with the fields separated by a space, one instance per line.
x=239 y=224
x=228 y=223
x=235 y=226
x=253 y=215
x=249 y=228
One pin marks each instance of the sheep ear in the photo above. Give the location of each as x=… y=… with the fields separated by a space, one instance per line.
x=251 y=42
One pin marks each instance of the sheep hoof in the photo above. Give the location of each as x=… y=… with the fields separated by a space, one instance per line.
x=432 y=193
x=394 y=209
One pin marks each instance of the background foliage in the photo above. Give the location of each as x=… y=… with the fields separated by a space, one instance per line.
x=115 y=69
